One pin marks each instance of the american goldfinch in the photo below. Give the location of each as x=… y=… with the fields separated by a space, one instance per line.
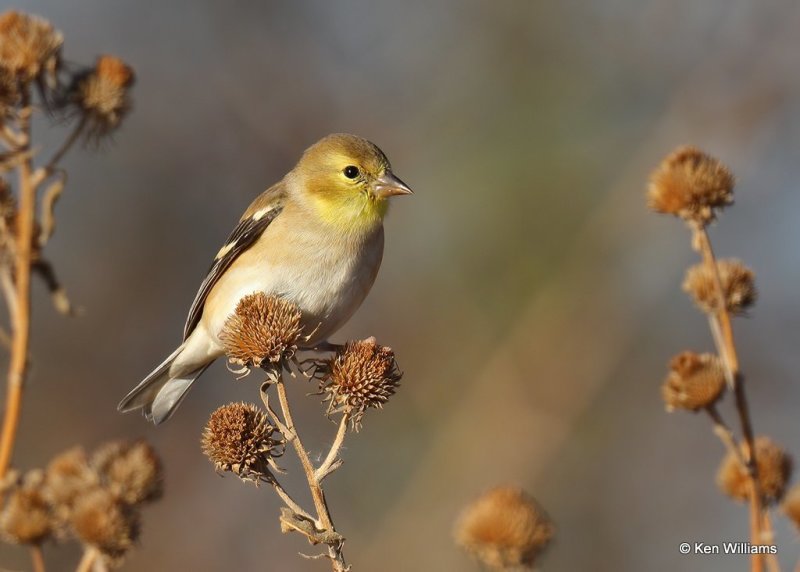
x=314 y=238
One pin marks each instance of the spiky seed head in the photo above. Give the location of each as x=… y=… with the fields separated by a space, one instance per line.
x=694 y=381
x=239 y=438
x=691 y=185
x=102 y=521
x=29 y=46
x=132 y=470
x=363 y=374
x=774 y=466
x=27 y=517
x=67 y=477
x=263 y=329
x=738 y=286
x=103 y=94
x=504 y=528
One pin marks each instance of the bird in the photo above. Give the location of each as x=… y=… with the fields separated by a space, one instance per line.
x=315 y=238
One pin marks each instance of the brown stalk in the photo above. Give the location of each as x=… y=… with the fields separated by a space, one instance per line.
x=21 y=318
x=87 y=560
x=722 y=331
x=314 y=481
x=37 y=559
x=725 y=434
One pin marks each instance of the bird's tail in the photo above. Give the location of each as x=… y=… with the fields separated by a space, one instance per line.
x=159 y=394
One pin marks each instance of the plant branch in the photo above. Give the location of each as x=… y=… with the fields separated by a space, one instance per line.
x=725 y=434
x=37 y=558
x=87 y=560
x=287 y=498
x=332 y=461
x=43 y=172
x=722 y=330
x=324 y=520
x=21 y=317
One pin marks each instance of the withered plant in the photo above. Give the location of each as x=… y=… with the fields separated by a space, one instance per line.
x=504 y=529
x=246 y=440
x=94 y=500
x=696 y=187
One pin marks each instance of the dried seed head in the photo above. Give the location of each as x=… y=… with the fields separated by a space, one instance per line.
x=29 y=46
x=103 y=94
x=103 y=522
x=262 y=329
x=26 y=517
x=738 y=286
x=67 y=477
x=694 y=382
x=504 y=528
x=361 y=375
x=132 y=471
x=690 y=184
x=239 y=438
x=774 y=470
x=791 y=505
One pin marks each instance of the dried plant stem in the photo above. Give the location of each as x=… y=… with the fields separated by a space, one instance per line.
x=21 y=317
x=43 y=172
x=722 y=331
x=324 y=520
x=332 y=461
x=87 y=560
x=725 y=434
x=287 y=498
x=37 y=558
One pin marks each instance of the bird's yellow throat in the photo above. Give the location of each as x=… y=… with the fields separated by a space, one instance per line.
x=352 y=213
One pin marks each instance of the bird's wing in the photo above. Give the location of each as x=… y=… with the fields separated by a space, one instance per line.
x=253 y=223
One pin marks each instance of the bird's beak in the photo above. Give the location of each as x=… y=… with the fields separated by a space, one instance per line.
x=388 y=185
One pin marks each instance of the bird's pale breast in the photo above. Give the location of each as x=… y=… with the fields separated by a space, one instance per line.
x=325 y=272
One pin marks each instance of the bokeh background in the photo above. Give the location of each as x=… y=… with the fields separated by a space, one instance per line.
x=532 y=300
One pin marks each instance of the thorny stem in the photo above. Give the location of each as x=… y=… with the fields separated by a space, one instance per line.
x=37 y=559
x=21 y=317
x=317 y=494
x=330 y=462
x=722 y=331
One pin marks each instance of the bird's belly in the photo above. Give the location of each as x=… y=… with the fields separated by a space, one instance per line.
x=327 y=289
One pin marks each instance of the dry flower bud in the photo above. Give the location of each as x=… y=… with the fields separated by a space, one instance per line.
x=791 y=505
x=361 y=375
x=774 y=470
x=262 y=329
x=504 y=528
x=103 y=94
x=132 y=471
x=103 y=522
x=239 y=438
x=690 y=184
x=738 y=286
x=29 y=46
x=26 y=517
x=694 y=382
x=67 y=477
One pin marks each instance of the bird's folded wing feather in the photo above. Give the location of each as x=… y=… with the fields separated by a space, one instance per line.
x=256 y=219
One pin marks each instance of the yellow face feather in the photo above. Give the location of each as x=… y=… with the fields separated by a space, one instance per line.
x=341 y=174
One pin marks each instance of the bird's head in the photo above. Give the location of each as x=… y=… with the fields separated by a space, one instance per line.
x=348 y=180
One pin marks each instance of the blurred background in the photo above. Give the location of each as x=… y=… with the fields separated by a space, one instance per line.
x=531 y=298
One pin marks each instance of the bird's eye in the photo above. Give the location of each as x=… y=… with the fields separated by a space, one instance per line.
x=351 y=171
